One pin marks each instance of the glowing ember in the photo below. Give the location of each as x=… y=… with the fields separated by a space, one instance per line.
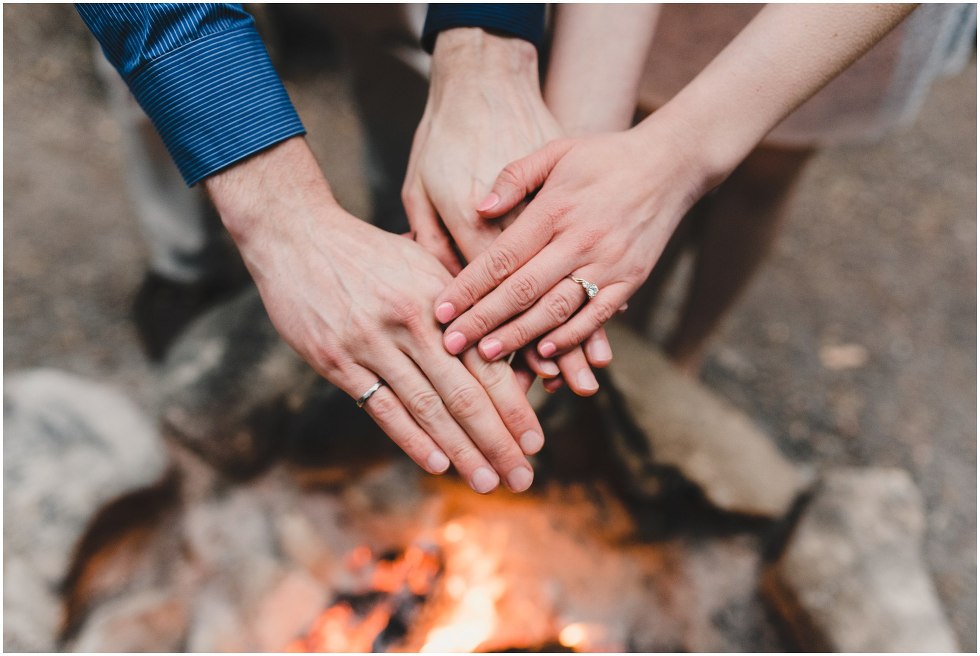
x=582 y=636
x=572 y=636
x=374 y=617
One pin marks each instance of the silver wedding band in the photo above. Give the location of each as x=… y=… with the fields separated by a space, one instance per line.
x=591 y=289
x=368 y=394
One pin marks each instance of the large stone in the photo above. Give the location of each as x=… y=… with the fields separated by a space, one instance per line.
x=150 y=621
x=711 y=443
x=287 y=610
x=852 y=577
x=70 y=447
x=228 y=385
x=31 y=609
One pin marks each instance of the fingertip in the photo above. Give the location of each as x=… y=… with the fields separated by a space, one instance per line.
x=437 y=462
x=445 y=312
x=490 y=348
x=598 y=352
x=553 y=385
x=549 y=368
x=531 y=442
x=488 y=203
x=455 y=342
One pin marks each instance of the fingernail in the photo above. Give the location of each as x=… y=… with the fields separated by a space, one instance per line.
x=455 y=342
x=437 y=462
x=490 y=348
x=488 y=203
x=547 y=349
x=586 y=381
x=519 y=479
x=531 y=442
x=484 y=480
x=549 y=368
x=599 y=351
x=445 y=312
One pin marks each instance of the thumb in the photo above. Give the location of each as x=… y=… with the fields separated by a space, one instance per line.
x=429 y=231
x=522 y=177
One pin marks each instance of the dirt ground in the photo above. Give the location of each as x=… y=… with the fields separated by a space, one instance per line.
x=877 y=265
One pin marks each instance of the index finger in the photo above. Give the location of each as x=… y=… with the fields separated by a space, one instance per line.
x=515 y=246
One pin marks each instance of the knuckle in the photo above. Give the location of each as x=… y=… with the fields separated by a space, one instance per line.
x=412 y=443
x=515 y=416
x=570 y=338
x=559 y=308
x=523 y=291
x=636 y=272
x=479 y=323
x=329 y=357
x=556 y=214
x=512 y=175
x=603 y=313
x=588 y=240
x=464 y=402
x=493 y=374
x=459 y=451
x=425 y=405
x=406 y=313
x=518 y=335
x=500 y=263
x=383 y=406
x=499 y=450
x=466 y=288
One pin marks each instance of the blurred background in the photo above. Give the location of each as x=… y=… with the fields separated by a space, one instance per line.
x=856 y=344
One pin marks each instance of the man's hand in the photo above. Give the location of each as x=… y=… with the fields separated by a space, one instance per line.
x=484 y=110
x=353 y=301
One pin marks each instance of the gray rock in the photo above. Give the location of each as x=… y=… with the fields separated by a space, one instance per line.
x=711 y=443
x=287 y=610
x=70 y=447
x=217 y=624
x=151 y=621
x=32 y=612
x=852 y=577
x=228 y=383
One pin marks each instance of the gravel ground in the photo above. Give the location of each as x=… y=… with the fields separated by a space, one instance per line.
x=876 y=269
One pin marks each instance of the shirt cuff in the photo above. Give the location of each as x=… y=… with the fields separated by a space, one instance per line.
x=215 y=101
x=524 y=21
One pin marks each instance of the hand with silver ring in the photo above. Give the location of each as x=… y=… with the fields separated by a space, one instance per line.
x=579 y=250
x=353 y=301
x=369 y=393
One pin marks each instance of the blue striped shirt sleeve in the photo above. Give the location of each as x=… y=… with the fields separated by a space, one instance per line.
x=521 y=20
x=202 y=75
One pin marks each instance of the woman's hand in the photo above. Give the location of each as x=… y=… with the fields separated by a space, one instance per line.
x=484 y=109
x=606 y=207
x=353 y=301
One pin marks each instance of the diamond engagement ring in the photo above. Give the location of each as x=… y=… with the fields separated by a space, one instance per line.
x=367 y=395
x=590 y=287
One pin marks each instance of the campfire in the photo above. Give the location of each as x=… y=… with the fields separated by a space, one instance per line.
x=440 y=594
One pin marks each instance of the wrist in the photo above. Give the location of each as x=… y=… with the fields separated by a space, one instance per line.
x=262 y=191
x=706 y=154
x=470 y=54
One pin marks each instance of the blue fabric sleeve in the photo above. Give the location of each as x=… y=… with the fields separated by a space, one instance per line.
x=525 y=21
x=202 y=75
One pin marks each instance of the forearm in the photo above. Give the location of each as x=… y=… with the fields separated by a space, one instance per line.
x=782 y=58
x=598 y=54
